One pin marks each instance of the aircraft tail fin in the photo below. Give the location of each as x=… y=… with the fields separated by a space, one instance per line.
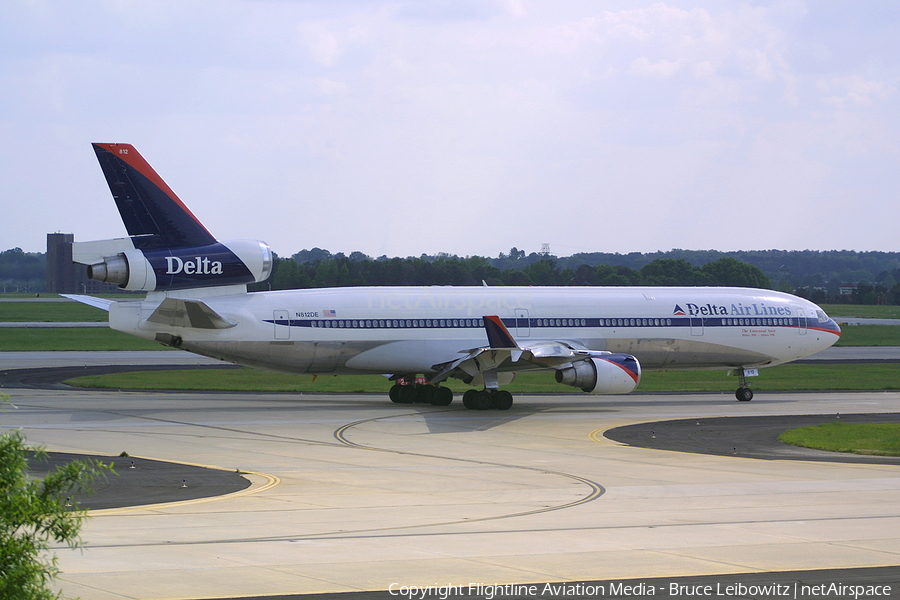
x=153 y=214
x=167 y=247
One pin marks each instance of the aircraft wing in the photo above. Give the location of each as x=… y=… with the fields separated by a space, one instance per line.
x=504 y=354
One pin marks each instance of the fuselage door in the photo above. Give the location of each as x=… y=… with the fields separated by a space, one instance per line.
x=282 y=325
x=697 y=325
x=523 y=325
x=801 y=321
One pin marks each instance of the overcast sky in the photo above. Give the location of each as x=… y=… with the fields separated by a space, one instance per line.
x=416 y=127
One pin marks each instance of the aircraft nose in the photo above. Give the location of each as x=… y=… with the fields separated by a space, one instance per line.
x=831 y=326
x=829 y=333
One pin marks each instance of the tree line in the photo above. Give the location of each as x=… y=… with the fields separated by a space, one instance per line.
x=339 y=270
x=817 y=275
x=319 y=268
x=22 y=271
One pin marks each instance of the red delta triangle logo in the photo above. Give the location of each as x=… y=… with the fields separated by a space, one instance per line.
x=678 y=311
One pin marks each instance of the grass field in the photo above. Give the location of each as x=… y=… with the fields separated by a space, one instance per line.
x=782 y=378
x=20 y=339
x=882 y=439
x=862 y=311
x=869 y=335
x=25 y=339
x=44 y=312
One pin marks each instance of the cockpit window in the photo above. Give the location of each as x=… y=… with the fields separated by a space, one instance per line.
x=822 y=316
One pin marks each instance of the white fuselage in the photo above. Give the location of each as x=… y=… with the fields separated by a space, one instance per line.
x=412 y=329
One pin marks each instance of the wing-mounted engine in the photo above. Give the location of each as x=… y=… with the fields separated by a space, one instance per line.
x=609 y=374
x=149 y=269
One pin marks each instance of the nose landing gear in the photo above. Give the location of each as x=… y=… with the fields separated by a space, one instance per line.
x=744 y=393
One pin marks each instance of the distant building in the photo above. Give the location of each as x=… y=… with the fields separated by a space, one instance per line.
x=66 y=277
x=61 y=277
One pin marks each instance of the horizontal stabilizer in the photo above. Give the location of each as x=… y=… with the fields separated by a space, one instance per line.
x=92 y=253
x=101 y=303
x=188 y=313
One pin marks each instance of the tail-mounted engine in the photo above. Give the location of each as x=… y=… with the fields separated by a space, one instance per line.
x=609 y=374
x=149 y=269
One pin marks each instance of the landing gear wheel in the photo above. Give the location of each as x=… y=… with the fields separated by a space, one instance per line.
x=744 y=394
x=442 y=396
x=502 y=400
x=469 y=398
x=483 y=400
x=394 y=393
x=406 y=394
x=425 y=394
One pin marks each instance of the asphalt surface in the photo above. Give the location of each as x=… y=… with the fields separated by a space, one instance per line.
x=749 y=437
x=787 y=584
x=152 y=482
x=51 y=378
x=138 y=481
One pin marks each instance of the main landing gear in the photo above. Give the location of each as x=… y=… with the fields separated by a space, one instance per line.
x=414 y=393
x=487 y=398
x=422 y=393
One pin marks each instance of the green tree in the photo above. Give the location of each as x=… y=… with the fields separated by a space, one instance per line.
x=287 y=275
x=731 y=272
x=515 y=277
x=326 y=274
x=543 y=272
x=671 y=271
x=33 y=512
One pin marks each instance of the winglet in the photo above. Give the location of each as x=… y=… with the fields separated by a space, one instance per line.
x=497 y=333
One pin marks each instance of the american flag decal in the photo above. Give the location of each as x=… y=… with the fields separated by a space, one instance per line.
x=329 y=313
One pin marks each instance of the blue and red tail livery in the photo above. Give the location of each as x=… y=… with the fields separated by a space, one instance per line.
x=167 y=248
x=153 y=215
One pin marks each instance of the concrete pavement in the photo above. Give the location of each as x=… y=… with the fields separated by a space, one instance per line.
x=371 y=494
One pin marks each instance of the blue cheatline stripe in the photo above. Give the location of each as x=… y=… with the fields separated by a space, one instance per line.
x=534 y=323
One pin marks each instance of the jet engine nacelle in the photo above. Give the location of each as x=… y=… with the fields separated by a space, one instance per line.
x=216 y=264
x=609 y=374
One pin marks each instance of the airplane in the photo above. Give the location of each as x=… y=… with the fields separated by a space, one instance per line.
x=598 y=339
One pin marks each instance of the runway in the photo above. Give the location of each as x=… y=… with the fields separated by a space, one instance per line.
x=352 y=493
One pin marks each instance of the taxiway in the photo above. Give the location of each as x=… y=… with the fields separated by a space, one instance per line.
x=350 y=492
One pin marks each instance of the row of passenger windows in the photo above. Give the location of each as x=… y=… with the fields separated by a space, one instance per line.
x=635 y=322
x=398 y=323
x=460 y=323
x=759 y=322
